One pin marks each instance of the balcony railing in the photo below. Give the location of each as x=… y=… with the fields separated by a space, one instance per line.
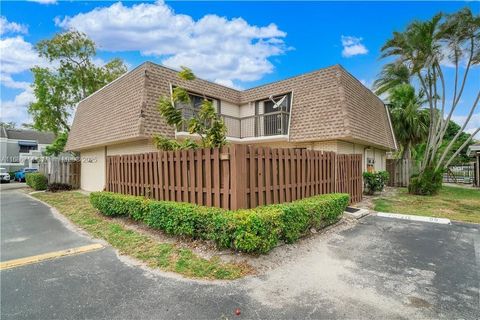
x=262 y=125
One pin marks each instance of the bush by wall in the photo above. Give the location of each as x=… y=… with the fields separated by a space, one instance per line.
x=57 y=186
x=375 y=181
x=255 y=230
x=36 y=180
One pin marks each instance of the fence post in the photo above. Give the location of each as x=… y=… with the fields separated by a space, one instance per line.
x=238 y=165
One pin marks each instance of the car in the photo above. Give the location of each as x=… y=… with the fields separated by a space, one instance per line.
x=20 y=175
x=4 y=175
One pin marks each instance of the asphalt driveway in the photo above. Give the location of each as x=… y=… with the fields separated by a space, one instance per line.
x=381 y=268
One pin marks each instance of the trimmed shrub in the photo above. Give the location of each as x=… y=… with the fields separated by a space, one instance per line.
x=58 y=186
x=375 y=181
x=36 y=181
x=256 y=230
x=115 y=204
x=427 y=183
x=313 y=212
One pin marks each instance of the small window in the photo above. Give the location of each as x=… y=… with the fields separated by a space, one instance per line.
x=26 y=149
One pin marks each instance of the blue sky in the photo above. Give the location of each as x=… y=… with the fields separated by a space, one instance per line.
x=241 y=44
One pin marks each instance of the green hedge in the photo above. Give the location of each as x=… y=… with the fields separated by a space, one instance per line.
x=37 y=181
x=255 y=230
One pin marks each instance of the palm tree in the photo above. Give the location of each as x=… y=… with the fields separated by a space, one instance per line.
x=409 y=120
x=392 y=75
x=423 y=48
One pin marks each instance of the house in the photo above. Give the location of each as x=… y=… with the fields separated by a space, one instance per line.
x=327 y=109
x=21 y=148
x=473 y=151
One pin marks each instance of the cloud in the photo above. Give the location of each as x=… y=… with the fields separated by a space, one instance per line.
x=472 y=125
x=352 y=46
x=44 y=1
x=11 y=27
x=16 y=110
x=18 y=55
x=447 y=59
x=216 y=48
x=7 y=81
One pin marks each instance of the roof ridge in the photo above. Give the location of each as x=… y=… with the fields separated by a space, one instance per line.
x=292 y=77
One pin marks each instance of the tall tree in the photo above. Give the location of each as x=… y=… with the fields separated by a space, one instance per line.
x=409 y=120
x=424 y=47
x=72 y=77
x=392 y=75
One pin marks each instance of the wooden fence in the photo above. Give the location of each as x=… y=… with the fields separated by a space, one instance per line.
x=400 y=171
x=236 y=176
x=61 y=170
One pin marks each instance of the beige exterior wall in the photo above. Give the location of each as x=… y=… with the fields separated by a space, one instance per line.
x=92 y=173
x=325 y=145
x=140 y=146
x=341 y=147
x=247 y=109
x=230 y=109
x=93 y=162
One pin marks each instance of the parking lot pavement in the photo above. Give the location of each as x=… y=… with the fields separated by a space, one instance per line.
x=12 y=185
x=28 y=228
x=380 y=269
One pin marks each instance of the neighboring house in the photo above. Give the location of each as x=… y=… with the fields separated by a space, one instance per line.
x=474 y=152
x=326 y=109
x=21 y=148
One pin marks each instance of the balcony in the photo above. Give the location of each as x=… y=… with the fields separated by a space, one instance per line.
x=262 y=125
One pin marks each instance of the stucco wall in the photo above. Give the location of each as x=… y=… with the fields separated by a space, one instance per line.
x=140 y=146
x=92 y=173
x=230 y=109
x=341 y=147
x=93 y=162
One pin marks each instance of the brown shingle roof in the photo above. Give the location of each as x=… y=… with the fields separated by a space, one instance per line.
x=327 y=104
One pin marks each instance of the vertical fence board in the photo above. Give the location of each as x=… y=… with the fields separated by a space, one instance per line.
x=216 y=177
x=268 y=177
x=208 y=176
x=253 y=180
x=199 y=166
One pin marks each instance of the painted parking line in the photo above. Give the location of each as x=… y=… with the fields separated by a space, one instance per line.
x=414 y=218
x=49 y=256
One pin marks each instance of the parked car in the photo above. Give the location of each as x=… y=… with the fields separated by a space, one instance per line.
x=4 y=175
x=20 y=175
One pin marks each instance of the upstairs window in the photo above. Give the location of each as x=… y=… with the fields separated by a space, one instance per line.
x=190 y=109
x=282 y=103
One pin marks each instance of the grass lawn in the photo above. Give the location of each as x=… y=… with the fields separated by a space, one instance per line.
x=454 y=203
x=168 y=257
